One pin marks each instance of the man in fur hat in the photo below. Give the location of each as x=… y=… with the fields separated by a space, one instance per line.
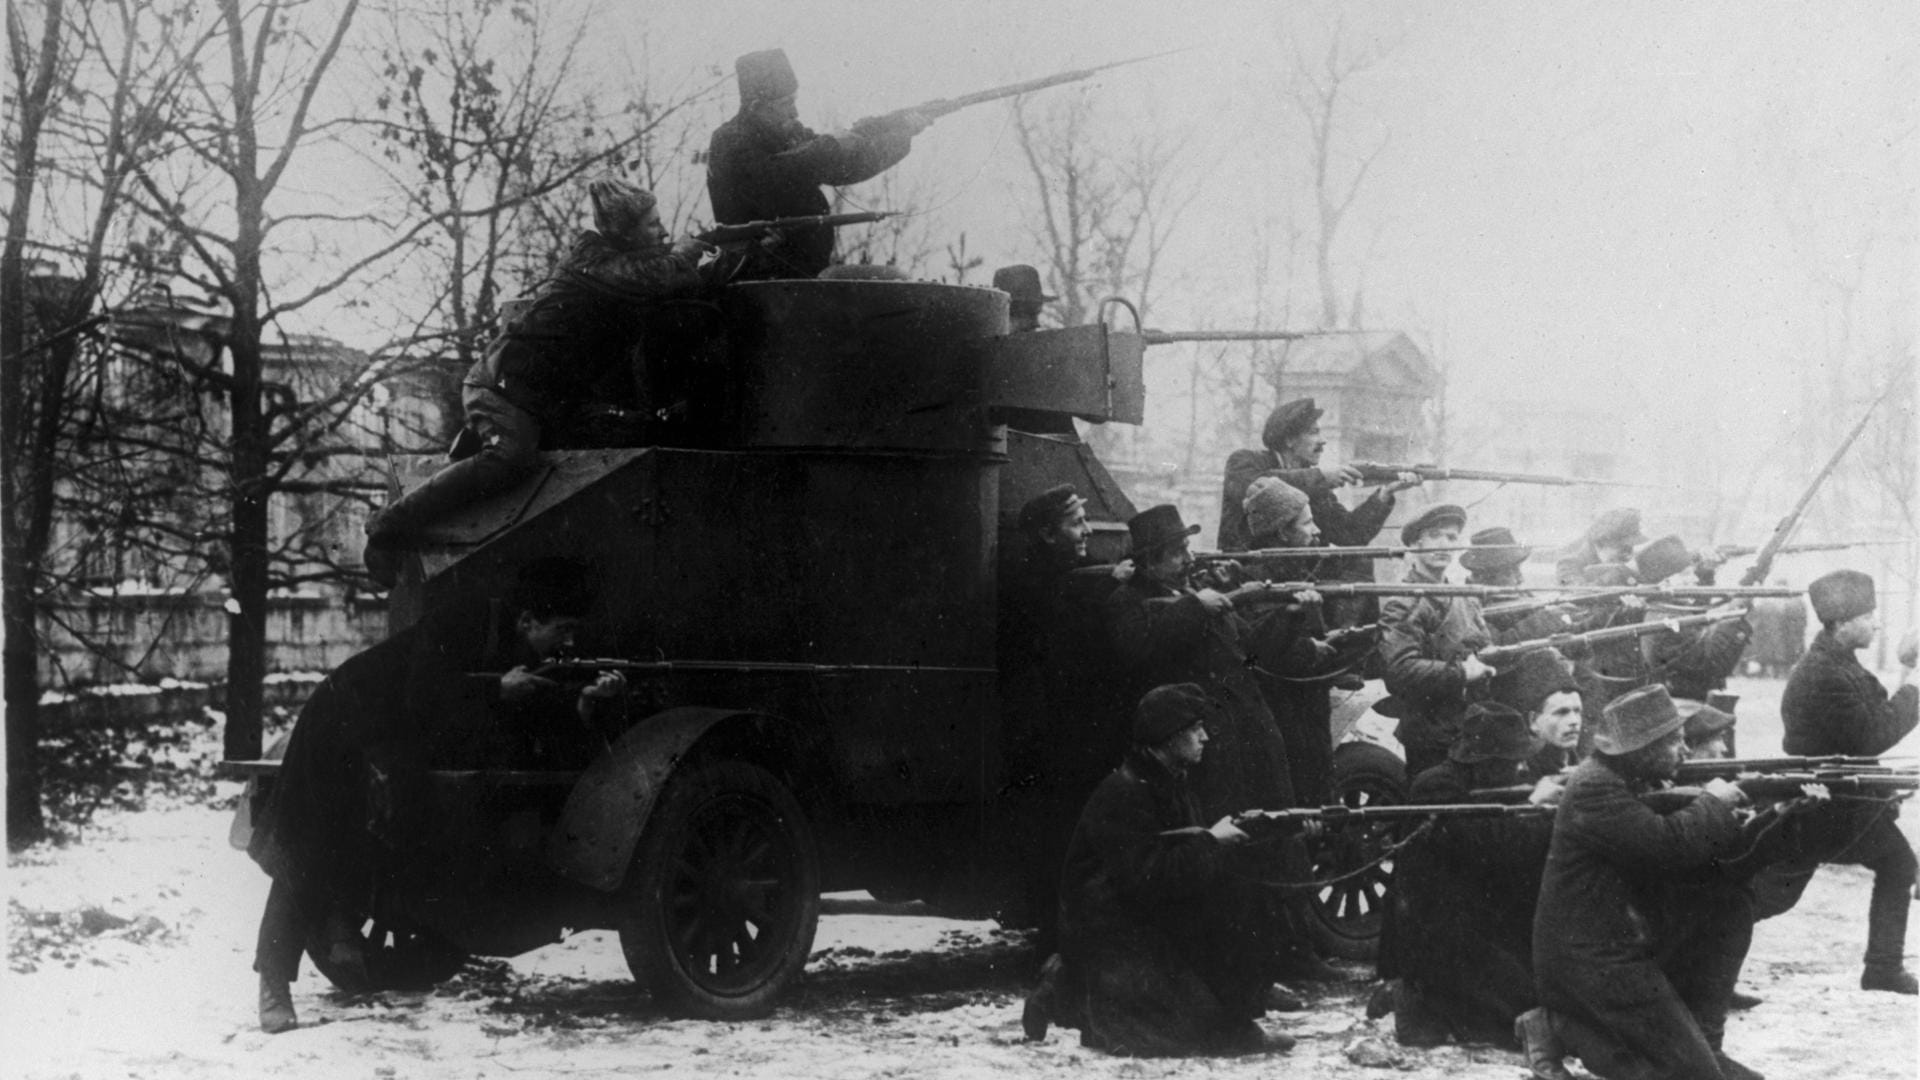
x=1833 y=705
x=544 y=370
x=1168 y=943
x=1632 y=983
x=764 y=164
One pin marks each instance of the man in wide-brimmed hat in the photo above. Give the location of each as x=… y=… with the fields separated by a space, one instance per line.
x=1025 y=297
x=1168 y=943
x=1833 y=705
x=1631 y=983
x=1463 y=895
x=1428 y=644
x=764 y=164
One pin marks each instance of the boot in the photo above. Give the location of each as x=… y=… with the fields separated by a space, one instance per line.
x=1738 y=1000
x=1533 y=1030
x=1380 y=1002
x=1733 y=1070
x=276 y=1006
x=1893 y=980
x=1413 y=1023
x=1038 y=1013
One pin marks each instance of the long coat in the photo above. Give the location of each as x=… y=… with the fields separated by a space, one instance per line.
x=756 y=172
x=1608 y=949
x=1423 y=642
x=1167 y=944
x=1464 y=895
x=1163 y=635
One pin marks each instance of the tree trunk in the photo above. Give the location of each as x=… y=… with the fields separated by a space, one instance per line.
x=248 y=570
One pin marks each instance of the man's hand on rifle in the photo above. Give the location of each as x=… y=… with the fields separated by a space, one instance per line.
x=1726 y=791
x=1910 y=649
x=691 y=248
x=1547 y=791
x=1475 y=669
x=1340 y=475
x=521 y=683
x=610 y=685
x=1227 y=832
x=1406 y=480
x=1215 y=602
x=1123 y=570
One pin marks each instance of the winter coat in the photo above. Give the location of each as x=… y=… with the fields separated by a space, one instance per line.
x=1339 y=526
x=1423 y=641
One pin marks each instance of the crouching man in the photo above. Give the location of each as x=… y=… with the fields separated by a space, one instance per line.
x=1167 y=942
x=1633 y=983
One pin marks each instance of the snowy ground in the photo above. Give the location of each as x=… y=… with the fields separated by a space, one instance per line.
x=139 y=942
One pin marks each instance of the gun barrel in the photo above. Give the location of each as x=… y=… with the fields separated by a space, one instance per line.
x=1374 y=472
x=1365 y=552
x=750 y=230
x=1334 y=815
x=939 y=107
x=1501 y=654
x=1173 y=337
x=1691 y=592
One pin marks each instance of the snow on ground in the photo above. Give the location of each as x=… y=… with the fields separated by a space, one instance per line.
x=140 y=968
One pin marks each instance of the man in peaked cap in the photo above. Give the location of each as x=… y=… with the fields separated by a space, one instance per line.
x=1833 y=705
x=1292 y=450
x=546 y=369
x=1463 y=895
x=1630 y=982
x=1167 y=944
x=1025 y=298
x=764 y=164
x=1428 y=644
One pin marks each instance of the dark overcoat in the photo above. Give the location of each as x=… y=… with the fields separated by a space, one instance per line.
x=1423 y=642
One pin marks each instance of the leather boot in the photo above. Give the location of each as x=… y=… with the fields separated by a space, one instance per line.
x=1533 y=1029
x=276 y=1007
x=1413 y=1023
x=1037 y=1015
x=1893 y=980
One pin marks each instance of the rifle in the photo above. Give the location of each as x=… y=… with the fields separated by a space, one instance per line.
x=1278 y=554
x=1500 y=654
x=1259 y=820
x=1760 y=787
x=1690 y=592
x=1282 y=591
x=1539 y=603
x=939 y=107
x=1735 y=551
x=1373 y=472
x=1732 y=768
x=1171 y=337
x=1763 y=560
x=753 y=230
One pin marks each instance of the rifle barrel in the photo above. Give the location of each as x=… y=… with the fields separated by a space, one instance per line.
x=1173 y=337
x=1364 y=552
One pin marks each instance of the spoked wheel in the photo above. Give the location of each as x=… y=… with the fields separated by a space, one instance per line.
x=1347 y=910
x=395 y=958
x=724 y=894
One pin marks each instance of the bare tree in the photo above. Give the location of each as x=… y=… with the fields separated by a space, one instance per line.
x=1316 y=88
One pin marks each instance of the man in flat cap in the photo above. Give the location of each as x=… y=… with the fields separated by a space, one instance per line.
x=1833 y=705
x=1464 y=892
x=1632 y=983
x=541 y=377
x=1428 y=644
x=1167 y=944
x=1025 y=298
x=764 y=164
x=1292 y=452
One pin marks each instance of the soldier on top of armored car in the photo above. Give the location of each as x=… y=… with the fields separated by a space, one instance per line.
x=537 y=376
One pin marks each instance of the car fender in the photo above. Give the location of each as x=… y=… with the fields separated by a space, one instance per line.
x=610 y=803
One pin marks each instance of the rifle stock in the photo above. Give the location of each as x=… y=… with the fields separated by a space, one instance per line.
x=1500 y=654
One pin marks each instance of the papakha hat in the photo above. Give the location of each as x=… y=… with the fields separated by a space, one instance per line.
x=619 y=206
x=1021 y=283
x=1841 y=595
x=1167 y=710
x=1491 y=732
x=1662 y=559
x=1637 y=718
x=1050 y=507
x=765 y=74
x=1289 y=420
x=1155 y=527
x=1620 y=525
x=1525 y=683
x=1497 y=538
x=1432 y=518
x=1271 y=504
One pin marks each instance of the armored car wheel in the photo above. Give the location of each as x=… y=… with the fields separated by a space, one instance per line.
x=724 y=894
x=395 y=958
x=1348 y=909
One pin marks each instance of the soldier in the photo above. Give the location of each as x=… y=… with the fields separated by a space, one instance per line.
x=1464 y=893
x=1632 y=983
x=409 y=702
x=1167 y=945
x=1695 y=662
x=764 y=164
x=1833 y=705
x=1428 y=645
x=542 y=372
x=1610 y=539
x=1021 y=283
x=1293 y=448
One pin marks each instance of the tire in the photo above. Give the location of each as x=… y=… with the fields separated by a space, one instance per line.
x=397 y=958
x=723 y=896
x=1347 y=911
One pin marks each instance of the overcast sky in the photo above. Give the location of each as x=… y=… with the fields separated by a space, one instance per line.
x=1596 y=194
